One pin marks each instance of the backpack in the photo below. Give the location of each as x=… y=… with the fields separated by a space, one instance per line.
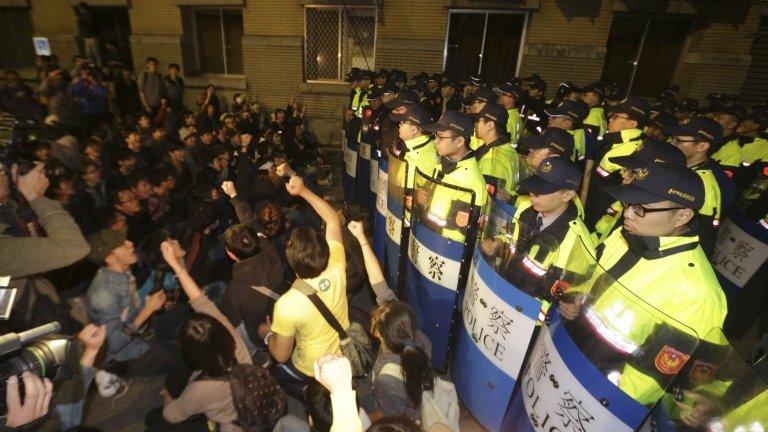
x=259 y=401
x=441 y=405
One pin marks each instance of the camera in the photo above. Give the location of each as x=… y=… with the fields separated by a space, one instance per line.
x=37 y=351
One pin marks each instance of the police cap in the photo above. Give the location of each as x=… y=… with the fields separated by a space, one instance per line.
x=577 y=111
x=510 y=89
x=414 y=115
x=557 y=140
x=483 y=94
x=736 y=110
x=493 y=112
x=403 y=98
x=595 y=88
x=553 y=174
x=662 y=119
x=651 y=151
x=688 y=105
x=454 y=121
x=636 y=108
x=660 y=181
x=699 y=127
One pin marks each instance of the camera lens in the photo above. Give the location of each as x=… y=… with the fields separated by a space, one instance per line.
x=39 y=358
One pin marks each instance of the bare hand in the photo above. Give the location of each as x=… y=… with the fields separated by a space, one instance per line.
x=92 y=336
x=37 y=399
x=265 y=328
x=295 y=186
x=570 y=310
x=285 y=170
x=699 y=409
x=356 y=228
x=169 y=253
x=166 y=397
x=229 y=188
x=334 y=372
x=155 y=301
x=33 y=184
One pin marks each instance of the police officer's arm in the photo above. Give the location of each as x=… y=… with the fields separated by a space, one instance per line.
x=295 y=187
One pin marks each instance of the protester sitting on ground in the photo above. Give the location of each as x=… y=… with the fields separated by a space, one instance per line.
x=211 y=347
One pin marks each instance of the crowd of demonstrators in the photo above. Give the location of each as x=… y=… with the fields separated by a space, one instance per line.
x=194 y=242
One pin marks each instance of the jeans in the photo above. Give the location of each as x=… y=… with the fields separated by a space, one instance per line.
x=291 y=380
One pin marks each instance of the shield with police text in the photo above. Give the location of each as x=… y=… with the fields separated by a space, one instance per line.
x=741 y=250
x=396 y=226
x=602 y=359
x=364 y=168
x=509 y=277
x=715 y=391
x=380 y=213
x=443 y=229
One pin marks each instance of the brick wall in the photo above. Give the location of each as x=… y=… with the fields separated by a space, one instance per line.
x=55 y=19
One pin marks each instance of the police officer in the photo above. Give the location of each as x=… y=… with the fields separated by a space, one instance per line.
x=534 y=119
x=554 y=218
x=728 y=155
x=496 y=157
x=623 y=136
x=657 y=257
x=473 y=104
x=659 y=120
x=360 y=96
x=565 y=91
x=649 y=151
x=686 y=108
x=399 y=78
x=511 y=96
x=419 y=150
x=755 y=146
x=448 y=210
x=552 y=142
x=450 y=99
x=696 y=139
x=381 y=78
x=595 y=123
x=434 y=98
x=569 y=116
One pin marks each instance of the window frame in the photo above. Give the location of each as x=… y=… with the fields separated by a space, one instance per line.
x=195 y=43
x=487 y=12
x=340 y=73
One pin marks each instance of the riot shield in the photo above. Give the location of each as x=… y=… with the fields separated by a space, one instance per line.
x=350 y=148
x=373 y=174
x=364 y=165
x=741 y=251
x=716 y=391
x=396 y=228
x=603 y=362
x=499 y=312
x=444 y=221
x=380 y=214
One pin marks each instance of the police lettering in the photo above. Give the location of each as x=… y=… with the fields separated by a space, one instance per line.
x=726 y=262
x=482 y=338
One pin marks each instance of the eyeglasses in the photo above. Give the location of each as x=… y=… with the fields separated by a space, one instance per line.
x=440 y=138
x=678 y=141
x=640 y=210
x=621 y=116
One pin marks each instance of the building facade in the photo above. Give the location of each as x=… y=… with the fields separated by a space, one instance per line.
x=276 y=50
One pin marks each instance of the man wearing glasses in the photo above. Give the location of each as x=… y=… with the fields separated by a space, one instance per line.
x=697 y=139
x=657 y=257
x=624 y=135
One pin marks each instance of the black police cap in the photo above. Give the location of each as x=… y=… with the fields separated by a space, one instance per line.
x=403 y=98
x=576 y=110
x=557 y=140
x=651 y=151
x=700 y=127
x=596 y=88
x=565 y=88
x=414 y=115
x=493 y=112
x=659 y=181
x=510 y=89
x=454 y=121
x=662 y=119
x=637 y=108
x=688 y=104
x=553 y=174
x=483 y=94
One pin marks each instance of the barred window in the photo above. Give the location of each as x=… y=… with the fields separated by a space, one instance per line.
x=336 y=39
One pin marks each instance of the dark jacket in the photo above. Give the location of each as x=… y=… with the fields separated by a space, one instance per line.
x=243 y=303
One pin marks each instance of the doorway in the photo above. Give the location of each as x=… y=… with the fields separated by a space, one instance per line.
x=643 y=52
x=484 y=42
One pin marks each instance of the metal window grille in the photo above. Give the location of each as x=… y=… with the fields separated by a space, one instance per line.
x=336 y=39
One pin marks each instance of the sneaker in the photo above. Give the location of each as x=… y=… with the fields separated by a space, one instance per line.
x=110 y=385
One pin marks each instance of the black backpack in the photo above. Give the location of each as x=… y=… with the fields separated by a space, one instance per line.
x=259 y=401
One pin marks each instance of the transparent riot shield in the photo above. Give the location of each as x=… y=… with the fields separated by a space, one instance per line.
x=444 y=225
x=510 y=276
x=716 y=391
x=380 y=206
x=603 y=358
x=396 y=228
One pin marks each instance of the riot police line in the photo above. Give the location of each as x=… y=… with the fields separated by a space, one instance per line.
x=482 y=288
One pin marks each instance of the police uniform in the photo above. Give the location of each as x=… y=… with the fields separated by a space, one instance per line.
x=622 y=143
x=514 y=119
x=497 y=159
x=485 y=95
x=595 y=123
x=453 y=103
x=548 y=243
x=647 y=152
x=729 y=154
x=446 y=206
x=672 y=274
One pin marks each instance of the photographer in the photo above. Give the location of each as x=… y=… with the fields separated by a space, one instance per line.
x=24 y=257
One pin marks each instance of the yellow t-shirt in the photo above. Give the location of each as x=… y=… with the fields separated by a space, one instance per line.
x=296 y=316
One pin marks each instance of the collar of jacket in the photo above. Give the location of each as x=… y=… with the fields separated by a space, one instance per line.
x=479 y=153
x=447 y=165
x=559 y=227
x=743 y=139
x=624 y=136
x=702 y=166
x=418 y=142
x=652 y=247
